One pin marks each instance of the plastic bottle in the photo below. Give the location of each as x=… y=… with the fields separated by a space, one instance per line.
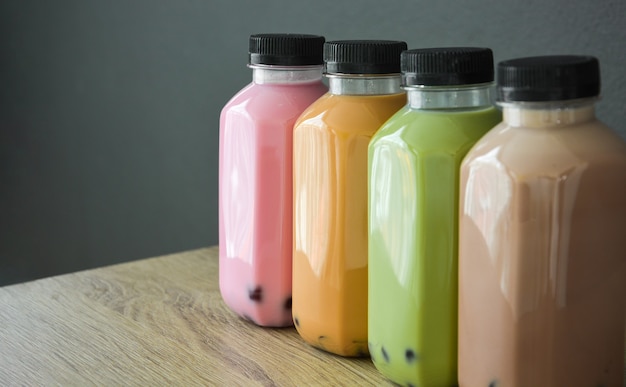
x=255 y=175
x=414 y=162
x=542 y=263
x=330 y=192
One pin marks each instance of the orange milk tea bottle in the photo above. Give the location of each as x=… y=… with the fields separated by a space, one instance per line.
x=542 y=243
x=330 y=192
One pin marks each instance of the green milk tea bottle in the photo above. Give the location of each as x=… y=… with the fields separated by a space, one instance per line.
x=413 y=165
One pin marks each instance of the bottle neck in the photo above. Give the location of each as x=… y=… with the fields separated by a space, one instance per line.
x=548 y=114
x=265 y=74
x=449 y=97
x=357 y=84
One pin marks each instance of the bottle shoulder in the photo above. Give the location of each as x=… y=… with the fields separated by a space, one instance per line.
x=272 y=101
x=350 y=113
x=436 y=130
x=522 y=151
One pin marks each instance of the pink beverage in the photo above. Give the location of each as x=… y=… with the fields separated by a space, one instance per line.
x=255 y=175
x=542 y=243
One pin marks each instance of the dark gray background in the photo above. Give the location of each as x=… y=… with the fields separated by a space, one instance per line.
x=109 y=109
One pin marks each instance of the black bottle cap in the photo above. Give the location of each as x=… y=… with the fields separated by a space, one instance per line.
x=548 y=78
x=447 y=66
x=363 y=56
x=286 y=49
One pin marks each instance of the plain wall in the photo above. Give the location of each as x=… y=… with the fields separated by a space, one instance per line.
x=109 y=109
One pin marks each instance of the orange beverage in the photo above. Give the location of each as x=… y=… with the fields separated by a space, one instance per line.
x=330 y=192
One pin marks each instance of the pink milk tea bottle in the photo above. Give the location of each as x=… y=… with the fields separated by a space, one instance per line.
x=542 y=240
x=255 y=175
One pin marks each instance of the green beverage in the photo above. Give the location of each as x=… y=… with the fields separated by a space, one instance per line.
x=414 y=162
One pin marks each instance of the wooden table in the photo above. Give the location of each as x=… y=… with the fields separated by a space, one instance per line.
x=159 y=321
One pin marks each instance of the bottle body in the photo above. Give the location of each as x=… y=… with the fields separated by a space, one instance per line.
x=255 y=183
x=414 y=165
x=542 y=263
x=330 y=210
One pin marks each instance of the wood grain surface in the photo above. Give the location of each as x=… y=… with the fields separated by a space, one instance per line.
x=159 y=321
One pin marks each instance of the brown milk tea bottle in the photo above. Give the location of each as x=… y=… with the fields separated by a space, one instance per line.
x=542 y=239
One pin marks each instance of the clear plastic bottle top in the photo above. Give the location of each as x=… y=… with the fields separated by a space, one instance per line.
x=285 y=58
x=448 y=78
x=548 y=91
x=363 y=67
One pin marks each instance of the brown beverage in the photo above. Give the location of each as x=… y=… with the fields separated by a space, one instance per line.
x=542 y=243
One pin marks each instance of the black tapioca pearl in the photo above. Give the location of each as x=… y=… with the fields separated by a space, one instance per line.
x=320 y=342
x=256 y=294
x=288 y=303
x=361 y=348
x=385 y=354
x=361 y=352
x=493 y=384
x=296 y=321
x=410 y=356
